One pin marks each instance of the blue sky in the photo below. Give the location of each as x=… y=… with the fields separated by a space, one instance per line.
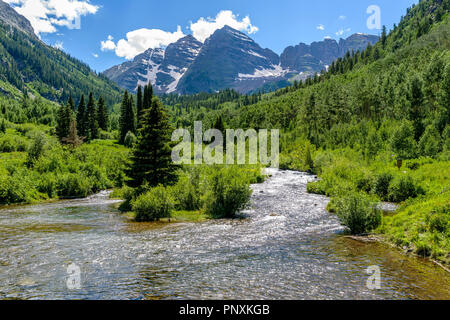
x=273 y=24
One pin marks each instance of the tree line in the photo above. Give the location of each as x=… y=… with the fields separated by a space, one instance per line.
x=82 y=123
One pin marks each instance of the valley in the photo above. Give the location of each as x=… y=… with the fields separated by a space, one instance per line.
x=88 y=177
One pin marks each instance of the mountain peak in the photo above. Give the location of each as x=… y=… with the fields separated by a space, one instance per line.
x=10 y=17
x=229 y=31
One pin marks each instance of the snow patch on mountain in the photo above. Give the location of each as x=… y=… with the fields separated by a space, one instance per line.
x=274 y=72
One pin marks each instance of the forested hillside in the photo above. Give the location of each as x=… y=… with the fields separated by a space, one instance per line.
x=29 y=65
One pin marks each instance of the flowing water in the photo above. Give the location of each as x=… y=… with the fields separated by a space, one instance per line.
x=287 y=247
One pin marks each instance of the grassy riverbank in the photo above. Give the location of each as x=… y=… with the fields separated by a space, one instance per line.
x=421 y=187
x=34 y=167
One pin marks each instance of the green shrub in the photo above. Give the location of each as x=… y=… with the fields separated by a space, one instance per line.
x=316 y=187
x=130 y=140
x=124 y=193
x=422 y=248
x=381 y=185
x=36 y=148
x=402 y=188
x=106 y=135
x=187 y=191
x=154 y=205
x=12 y=143
x=16 y=188
x=73 y=185
x=415 y=164
x=48 y=184
x=358 y=213
x=438 y=222
x=365 y=183
x=430 y=143
x=228 y=194
x=402 y=141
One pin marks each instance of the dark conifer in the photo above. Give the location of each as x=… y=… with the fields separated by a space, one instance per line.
x=151 y=161
x=102 y=116
x=92 y=119
x=139 y=106
x=81 y=118
x=63 y=123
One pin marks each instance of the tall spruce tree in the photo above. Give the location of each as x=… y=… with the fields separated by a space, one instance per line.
x=71 y=103
x=151 y=161
x=73 y=140
x=148 y=96
x=127 y=121
x=131 y=116
x=92 y=118
x=82 y=126
x=219 y=125
x=102 y=116
x=63 y=123
x=139 y=106
x=383 y=38
x=123 y=126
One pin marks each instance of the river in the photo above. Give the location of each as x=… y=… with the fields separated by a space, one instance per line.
x=287 y=247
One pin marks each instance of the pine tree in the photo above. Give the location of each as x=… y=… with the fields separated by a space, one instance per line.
x=219 y=125
x=127 y=119
x=73 y=139
x=139 y=106
x=151 y=161
x=81 y=118
x=63 y=123
x=102 y=116
x=131 y=116
x=92 y=119
x=383 y=37
x=148 y=97
x=123 y=126
x=71 y=103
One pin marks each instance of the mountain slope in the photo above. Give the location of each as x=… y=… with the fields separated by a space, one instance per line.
x=10 y=17
x=163 y=68
x=26 y=63
x=317 y=56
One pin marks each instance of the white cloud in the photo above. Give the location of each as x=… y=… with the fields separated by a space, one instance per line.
x=108 y=44
x=95 y=55
x=327 y=38
x=46 y=15
x=140 y=40
x=342 y=17
x=204 y=28
x=320 y=27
